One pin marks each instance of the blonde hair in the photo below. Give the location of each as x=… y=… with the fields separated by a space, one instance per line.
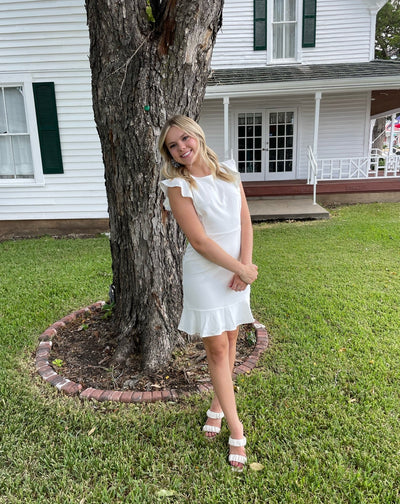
x=172 y=170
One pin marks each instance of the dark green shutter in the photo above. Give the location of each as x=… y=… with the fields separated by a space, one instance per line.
x=260 y=25
x=309 y=22
x=47 y=122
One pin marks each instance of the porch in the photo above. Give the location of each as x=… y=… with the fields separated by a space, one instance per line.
x=287 y=200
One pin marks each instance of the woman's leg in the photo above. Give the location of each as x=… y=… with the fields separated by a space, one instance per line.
x=219 y=363
x=215 y=404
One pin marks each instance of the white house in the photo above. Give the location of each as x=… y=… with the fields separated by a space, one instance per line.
x=292 y=93
x=291 y=97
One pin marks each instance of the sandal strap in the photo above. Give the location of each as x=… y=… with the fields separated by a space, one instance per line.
x=211 y=428
x=213 y=414
x=242 y=459
x=237 y=442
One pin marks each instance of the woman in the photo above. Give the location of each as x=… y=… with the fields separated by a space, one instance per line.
x=208 y=202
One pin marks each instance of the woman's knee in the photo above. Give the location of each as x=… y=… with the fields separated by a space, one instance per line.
x=217 y=347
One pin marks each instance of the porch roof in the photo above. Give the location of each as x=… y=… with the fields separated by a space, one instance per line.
x=285 y=79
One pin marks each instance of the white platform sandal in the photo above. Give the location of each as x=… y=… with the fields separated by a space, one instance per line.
x=242 y=459
x=212 y=428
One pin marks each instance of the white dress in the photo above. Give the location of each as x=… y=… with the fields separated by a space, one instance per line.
x=210 y=307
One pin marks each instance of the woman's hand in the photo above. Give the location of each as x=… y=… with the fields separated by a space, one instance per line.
x=248 y=273
x=237 y=284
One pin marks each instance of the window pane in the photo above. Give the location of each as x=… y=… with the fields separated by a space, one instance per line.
x=22 y=156
x=15 y=109
x=279 y=10
x=3 y=123
x=290 y=14
x=289 y=40
x=6 y=160
x=242 y=119
x=278 y=41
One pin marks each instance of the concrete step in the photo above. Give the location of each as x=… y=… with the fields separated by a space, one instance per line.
x=285 y=208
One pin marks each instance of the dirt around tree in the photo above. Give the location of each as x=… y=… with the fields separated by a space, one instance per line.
x=83 y=352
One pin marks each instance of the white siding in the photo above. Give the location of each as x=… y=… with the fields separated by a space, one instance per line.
x=234 y=44
x=342 y=130
x=343 y=35
x=49 y=40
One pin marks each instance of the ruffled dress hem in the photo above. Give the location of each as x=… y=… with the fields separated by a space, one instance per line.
x=207 y=323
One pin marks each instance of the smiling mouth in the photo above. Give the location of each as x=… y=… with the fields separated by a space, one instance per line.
x=186 y=154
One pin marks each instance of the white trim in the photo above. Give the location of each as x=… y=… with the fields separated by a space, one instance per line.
x=373 y=13
x=301 y=87
x=25 y=80
x=318 y=96
x=226 y=127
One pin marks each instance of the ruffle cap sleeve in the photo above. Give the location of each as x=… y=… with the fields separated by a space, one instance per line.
x=176 y=182
x=230 y=166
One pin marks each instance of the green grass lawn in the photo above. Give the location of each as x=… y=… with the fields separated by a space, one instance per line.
x=321 y=412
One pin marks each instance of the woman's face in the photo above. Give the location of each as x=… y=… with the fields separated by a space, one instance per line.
x=183 y=148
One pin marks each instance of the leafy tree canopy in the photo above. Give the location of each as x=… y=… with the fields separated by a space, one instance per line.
x=387 y=40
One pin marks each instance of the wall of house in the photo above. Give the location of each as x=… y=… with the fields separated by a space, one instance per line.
x=52 y=45
x=342 y=128
x=342 y=35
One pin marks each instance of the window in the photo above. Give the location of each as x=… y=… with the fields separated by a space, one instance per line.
x=15 y=146
x=284 y=27
x=286 y=24
x=250 y=142
x=29 y=136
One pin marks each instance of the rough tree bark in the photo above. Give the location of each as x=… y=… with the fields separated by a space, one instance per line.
x=149 y=60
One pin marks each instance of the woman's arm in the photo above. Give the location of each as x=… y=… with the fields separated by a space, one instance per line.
x=246 y=245
x=188 y=220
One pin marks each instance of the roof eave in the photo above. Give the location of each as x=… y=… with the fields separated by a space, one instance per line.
x=301 y=87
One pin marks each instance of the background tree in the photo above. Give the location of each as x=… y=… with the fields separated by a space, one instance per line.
x=387 y=39
x=149 y=60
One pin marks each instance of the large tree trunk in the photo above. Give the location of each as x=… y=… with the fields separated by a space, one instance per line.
x=149 y=60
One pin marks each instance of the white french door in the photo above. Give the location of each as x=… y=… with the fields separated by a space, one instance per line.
x=266 y=144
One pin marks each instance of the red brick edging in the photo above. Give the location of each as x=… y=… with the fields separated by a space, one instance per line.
x=128 y=396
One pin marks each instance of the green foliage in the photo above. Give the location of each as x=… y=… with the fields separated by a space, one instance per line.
x=149 y=12
x=388 y=31
x=321 y=411
x=108 y=309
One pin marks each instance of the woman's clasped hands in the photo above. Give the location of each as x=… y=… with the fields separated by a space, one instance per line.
x=246 y=276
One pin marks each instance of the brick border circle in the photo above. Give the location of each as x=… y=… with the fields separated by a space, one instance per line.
x=70 y=388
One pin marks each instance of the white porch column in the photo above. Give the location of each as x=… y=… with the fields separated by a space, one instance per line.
x=318 y=95
x=227 y=154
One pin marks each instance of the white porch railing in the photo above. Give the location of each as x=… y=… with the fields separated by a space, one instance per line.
x=378 y=164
